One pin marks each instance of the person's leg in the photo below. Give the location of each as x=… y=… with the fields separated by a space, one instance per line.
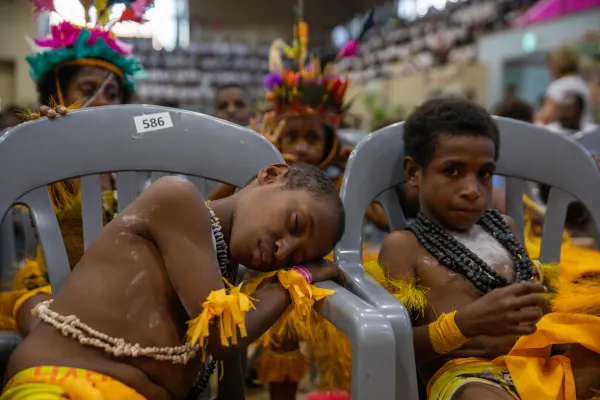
x=287 y=389
x=481 y=391
x=283 y=390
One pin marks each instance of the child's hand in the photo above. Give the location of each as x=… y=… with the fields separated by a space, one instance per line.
x=512 y=310
x=324 y=270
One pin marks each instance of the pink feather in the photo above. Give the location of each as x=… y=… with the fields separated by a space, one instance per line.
x=350 y=49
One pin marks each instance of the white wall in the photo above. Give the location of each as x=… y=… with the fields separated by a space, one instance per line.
x=494 y=50
x=15 y=24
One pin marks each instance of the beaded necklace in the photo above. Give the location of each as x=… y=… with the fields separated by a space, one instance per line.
x=209 y=368
x=458 y=258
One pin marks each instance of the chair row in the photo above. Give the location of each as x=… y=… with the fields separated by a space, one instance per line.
x=106 y=139
x=92 y=141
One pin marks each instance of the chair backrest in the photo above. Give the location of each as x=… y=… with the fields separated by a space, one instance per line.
x=590 y=140
x=527 y=153
x=351 y=137
x=122 y=139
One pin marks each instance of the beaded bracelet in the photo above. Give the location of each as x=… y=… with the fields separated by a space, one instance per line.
x=304 y=272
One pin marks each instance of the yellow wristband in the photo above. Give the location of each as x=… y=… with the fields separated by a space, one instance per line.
x=444 y=335
x=27 y=296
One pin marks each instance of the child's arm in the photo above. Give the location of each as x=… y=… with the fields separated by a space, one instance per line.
x=178 y=221
x=398 y=256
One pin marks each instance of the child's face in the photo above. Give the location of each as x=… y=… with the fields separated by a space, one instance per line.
x=85 y=84
x=304 y=137
x=275 y=228
x=456 y=187
x=232 y=105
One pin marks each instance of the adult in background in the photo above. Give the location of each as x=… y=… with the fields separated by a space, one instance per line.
x=232 y=103
x=563 y=65
x=569 y=116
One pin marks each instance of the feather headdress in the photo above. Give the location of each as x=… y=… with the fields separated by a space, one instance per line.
x=91 y=45
x=305 y=87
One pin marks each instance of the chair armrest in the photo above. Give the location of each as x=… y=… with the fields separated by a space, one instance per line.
x=8 y=342
x=372 y=338
x=364 y=286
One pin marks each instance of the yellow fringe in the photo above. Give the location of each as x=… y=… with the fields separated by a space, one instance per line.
x=230 y=308
x=299 y=320
x=274 y=366
x=65 y=195
x=332 y=354
x=32 y=275
x=578 y=297
x=409 y=293
x=329 y=348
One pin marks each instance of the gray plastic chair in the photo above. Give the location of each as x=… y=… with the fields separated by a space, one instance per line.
x=527 y=153
x=589 y=140
x=104 y=139
x=351 y=137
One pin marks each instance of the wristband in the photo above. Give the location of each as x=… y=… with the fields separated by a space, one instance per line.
x=444 y=335
x=304 y=272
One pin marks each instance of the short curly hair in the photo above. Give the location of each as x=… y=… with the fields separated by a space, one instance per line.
x=445 y=116
x=318 y=184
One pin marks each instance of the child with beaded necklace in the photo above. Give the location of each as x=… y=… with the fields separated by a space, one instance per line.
x=466 y=278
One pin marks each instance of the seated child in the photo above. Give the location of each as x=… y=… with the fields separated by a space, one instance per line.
x=467 y=279
x=158 y=267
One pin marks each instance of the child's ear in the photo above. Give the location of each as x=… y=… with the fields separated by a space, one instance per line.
x=411 y=172
x=272 y=174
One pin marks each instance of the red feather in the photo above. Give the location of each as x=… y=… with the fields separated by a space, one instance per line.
x=136 y=10
x=329 y=396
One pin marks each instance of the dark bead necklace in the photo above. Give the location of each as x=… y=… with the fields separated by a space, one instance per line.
x=208 y=368
x=458 y=258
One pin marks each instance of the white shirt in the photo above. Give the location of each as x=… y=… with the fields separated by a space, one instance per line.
x=572 y=83
x=557 y=127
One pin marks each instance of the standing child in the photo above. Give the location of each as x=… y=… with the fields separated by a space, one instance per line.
x=467 y=280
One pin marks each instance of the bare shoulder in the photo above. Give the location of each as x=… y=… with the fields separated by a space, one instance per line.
x=169 y=200
x=172 y=190
x=399 y=253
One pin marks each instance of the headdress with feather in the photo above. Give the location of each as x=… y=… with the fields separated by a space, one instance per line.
x=91 y=45
x=306 y=87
